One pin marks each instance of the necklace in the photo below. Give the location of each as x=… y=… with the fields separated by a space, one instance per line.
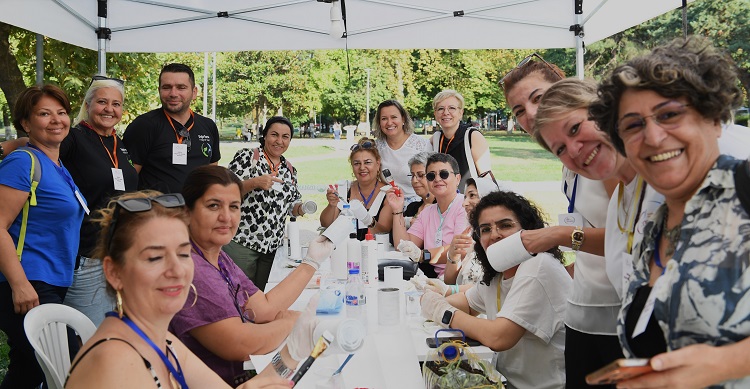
x=672 y=235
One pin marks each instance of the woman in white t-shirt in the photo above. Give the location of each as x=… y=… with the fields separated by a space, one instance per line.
x=396 y=141
x=525 y=304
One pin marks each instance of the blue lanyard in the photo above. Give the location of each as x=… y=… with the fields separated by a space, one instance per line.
x=657 y=256
x=572 y=198
x=222 y=269
x=60 y=169
x=176 y=373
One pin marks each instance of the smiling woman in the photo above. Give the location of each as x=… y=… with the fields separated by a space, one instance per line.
x=665 y=110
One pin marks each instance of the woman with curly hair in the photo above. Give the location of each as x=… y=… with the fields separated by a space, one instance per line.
x=525 y=304
x=664 y=111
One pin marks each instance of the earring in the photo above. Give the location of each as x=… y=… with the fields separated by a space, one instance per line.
x=195 y=292
x=118 y=306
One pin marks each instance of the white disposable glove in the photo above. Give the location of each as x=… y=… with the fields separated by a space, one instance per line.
x=410 y=249
x=360 y=212
x=437 y=286
x=434 y=306
x=419 y=281
x=300 y=341
x=317 y=252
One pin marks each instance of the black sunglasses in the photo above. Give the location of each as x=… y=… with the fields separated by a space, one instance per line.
x=185 y=134
x=172 y=200
x=364 y=145
x=444 y=174
x=105 y=78
x=524 y=62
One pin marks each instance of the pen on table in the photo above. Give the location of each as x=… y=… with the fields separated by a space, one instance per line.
x=348 y=358
x=321 y=345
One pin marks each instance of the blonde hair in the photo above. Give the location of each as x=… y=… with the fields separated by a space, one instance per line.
x=83 y=113
x=445 y=94
x=562 y=98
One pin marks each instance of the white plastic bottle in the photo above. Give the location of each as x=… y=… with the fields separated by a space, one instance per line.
x=354 y=253
x=295 y=249
x=369 y=262
x=347 y=212
x=355 y=297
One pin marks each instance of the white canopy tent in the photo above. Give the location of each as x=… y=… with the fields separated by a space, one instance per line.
x=234 y=25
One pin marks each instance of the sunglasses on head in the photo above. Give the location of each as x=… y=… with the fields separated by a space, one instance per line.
x=105 y=78
x=525 y=62
x=172 y=200
x=444 y=174
x=364 y=145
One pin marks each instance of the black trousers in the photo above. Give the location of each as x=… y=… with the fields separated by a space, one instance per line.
x=23 y=370
x=585 y=354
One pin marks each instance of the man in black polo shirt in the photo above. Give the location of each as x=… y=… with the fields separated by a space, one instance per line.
x=169 y=142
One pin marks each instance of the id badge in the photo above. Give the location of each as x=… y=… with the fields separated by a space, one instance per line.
x=179 y=154
x=118 y=179
x=648 y=308
x=439 y=238
x=574 y=219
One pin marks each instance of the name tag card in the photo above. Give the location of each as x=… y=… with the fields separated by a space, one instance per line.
x=179 y=154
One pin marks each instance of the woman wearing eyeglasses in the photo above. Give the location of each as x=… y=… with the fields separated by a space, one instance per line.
x=524 y=305
x=146 y=250
x=232 y=318
x=271 y=194
x=365 y=195
x=397 y=143
x=665 y=111
x=453 y=134
x=435 y=227
x=40 y=218
x=99 y=164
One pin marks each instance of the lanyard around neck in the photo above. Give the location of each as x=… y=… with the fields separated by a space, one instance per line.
x=176 y=373
x=366 y=201
x=442 y=214
x=442 y=137
x=221 y=269
x=632 y=214
x=274 y=170
x=572 y=198
x=180 y=138
x=113 y=154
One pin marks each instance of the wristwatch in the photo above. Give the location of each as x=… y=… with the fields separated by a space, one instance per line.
x=447 y=317
x=576 y=238
x=280 y=367
x=426 y=256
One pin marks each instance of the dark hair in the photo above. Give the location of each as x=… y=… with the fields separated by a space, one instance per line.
x=444 y=158
x=271 y=121
x=127 y=223
x=528 y=214
x=178 y=68
x=200 y=179
x=30 y=97
x=691 y=68
x=408 y=122
x=549 y=71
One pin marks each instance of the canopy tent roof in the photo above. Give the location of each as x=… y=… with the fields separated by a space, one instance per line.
x=195 y=25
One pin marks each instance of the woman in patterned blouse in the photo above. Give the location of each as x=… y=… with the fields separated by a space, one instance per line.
x=686 y=306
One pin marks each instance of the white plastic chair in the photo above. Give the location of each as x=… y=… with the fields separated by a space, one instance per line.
x=46 y=327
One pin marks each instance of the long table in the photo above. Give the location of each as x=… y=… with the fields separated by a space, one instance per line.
x=390 y=356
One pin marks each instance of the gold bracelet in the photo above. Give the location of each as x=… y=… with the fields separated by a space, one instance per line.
x=397 y=213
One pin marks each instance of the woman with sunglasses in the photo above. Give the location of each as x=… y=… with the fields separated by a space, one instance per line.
x=453 y=134
x=40 y=218
x=232 y=318
x=665 y=110
x=433 y=231
x=365 y=195
x=271 y=194
x=591 y=315
x=99 y=164
x=146 y=250
x=397 y=143
x=524 y=304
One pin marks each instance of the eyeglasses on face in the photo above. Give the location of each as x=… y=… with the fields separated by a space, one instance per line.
x=104 y=78
x=416 y=175
x=525 y=61
x=667 y=116
x=172 y=200
x=451 y=109
x=185 y=134
x=503 y=227
x=364 y=145
x=444 y=174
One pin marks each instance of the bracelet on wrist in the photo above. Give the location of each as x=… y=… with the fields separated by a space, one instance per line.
x=281 y=368
x=398 y=213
